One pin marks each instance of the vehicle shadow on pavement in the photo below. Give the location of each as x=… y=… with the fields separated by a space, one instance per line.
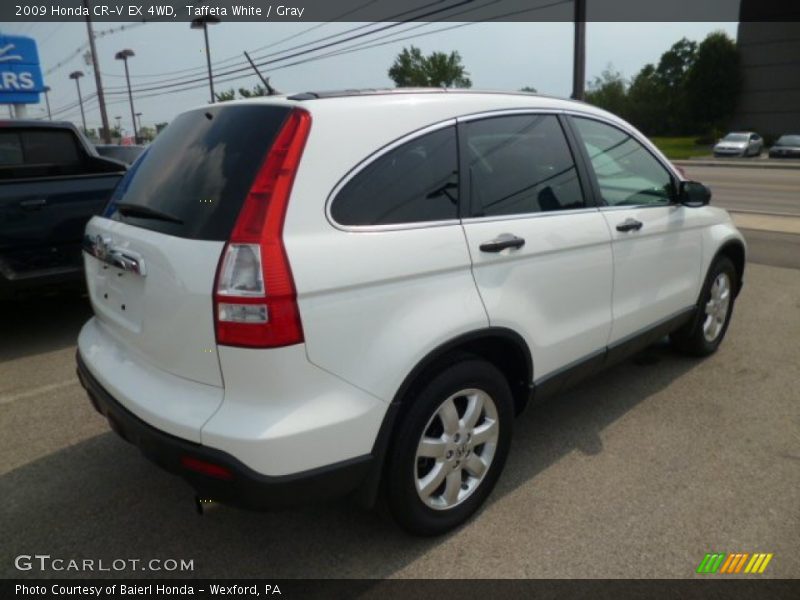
x=36 y=325
x=100 y=499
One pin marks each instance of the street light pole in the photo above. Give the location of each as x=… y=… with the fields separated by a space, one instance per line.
x=579 y=54
x=76 y=75
x=124 y=55
x=202 y=23
x=47 y=100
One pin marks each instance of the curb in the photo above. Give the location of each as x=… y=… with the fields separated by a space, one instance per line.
x=740 y=163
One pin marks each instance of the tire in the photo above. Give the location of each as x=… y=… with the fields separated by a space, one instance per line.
x=454 y=461
x=705 y=332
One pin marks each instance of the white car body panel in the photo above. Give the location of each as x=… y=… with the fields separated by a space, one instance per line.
x=555 y=290
x=650 y=283
x=173 y=404
x=283 y=415
x=168 y=317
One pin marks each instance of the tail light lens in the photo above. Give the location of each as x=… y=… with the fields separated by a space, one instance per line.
x=255 y=299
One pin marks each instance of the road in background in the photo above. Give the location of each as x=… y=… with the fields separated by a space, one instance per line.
x=751 y=188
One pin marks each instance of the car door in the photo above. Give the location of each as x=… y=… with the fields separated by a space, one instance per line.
x=540 y=249
x=657 y=243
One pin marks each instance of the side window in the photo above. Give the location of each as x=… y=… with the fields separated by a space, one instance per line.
x=10 y=148
x=520 y=164
x=413 y=183
x=31 y=153
x=628 y=175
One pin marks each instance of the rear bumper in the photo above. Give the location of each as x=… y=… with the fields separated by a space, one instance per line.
x=241 y=485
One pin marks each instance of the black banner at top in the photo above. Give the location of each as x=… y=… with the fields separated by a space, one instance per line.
x=12 y=11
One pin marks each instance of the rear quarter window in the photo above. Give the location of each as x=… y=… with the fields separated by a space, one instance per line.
x=416 y=182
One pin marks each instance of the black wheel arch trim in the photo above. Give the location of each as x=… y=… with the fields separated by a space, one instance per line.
x=739 y=262
x=367 y=493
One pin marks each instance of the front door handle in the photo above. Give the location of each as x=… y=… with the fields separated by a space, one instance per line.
x=501 y=242
x=34 y=204
x=630 y=225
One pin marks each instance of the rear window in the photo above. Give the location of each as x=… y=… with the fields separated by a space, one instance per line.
x=198 y=171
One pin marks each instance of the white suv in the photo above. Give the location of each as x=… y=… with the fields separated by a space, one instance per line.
x=354 y=293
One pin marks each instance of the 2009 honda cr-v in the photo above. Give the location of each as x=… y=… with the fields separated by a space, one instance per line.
x=329 y=293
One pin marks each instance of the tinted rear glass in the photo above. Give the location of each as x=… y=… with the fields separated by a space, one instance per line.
x=199 y=170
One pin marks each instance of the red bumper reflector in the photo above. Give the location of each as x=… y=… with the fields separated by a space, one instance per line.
x=206 y=468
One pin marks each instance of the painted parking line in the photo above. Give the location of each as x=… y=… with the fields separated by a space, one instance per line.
x=8 y=398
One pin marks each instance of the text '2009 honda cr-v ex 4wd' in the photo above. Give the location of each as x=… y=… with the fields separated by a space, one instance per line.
x=355 y=293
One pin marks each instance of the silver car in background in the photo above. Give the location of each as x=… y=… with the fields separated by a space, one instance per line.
x=740 y=143
x=787 y=146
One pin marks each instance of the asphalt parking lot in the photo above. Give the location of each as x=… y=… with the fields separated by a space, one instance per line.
x=637 y=473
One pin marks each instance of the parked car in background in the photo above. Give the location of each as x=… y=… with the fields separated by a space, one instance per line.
x=307 y=296
x=787 y=146
x=51 y=183
x=125 y=154
x=744 y=143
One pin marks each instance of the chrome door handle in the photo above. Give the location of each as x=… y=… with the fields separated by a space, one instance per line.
x=630 y=225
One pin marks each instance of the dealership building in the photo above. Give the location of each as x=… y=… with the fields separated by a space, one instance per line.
x=769 y=102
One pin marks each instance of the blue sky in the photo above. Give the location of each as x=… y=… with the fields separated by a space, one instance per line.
x=505 y=56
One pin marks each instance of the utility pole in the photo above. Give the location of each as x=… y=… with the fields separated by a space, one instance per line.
x=105 y=133
x=202 y=23
x=124 y=55
x=76 y=75
x=47 y=100
x=579 y=54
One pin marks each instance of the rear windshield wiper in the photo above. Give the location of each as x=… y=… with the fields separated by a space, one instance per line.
x=145 y=212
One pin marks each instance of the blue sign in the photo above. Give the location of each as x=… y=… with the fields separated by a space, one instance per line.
x=20 y=73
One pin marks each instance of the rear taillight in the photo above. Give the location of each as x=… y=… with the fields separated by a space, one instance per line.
x=255 y=302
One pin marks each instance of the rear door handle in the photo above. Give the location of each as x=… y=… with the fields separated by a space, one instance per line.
x=630 y=225
x=501 y=242
x=33 y=204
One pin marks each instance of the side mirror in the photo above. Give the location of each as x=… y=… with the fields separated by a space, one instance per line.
x=693 y=194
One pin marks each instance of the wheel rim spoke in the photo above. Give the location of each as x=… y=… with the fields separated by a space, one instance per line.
x=432 y=480
x=432 y=448
x=475 y=466
x=474 y=409
x=452 y=487
x=485 y=433
x=449 y=416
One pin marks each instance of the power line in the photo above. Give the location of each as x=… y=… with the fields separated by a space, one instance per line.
x=310 y=50
x=165 y=74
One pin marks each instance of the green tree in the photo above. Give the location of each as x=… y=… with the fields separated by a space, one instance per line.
x=529 y=89
x=147 y=134
x=226 y=96
x=412 y=69
x=645 y=107
x=160 y=127
x=713 y=82
x=671 y=73
x=255 y=92
x=609 y=91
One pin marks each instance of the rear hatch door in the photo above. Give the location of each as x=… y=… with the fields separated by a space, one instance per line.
x=151 y=259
